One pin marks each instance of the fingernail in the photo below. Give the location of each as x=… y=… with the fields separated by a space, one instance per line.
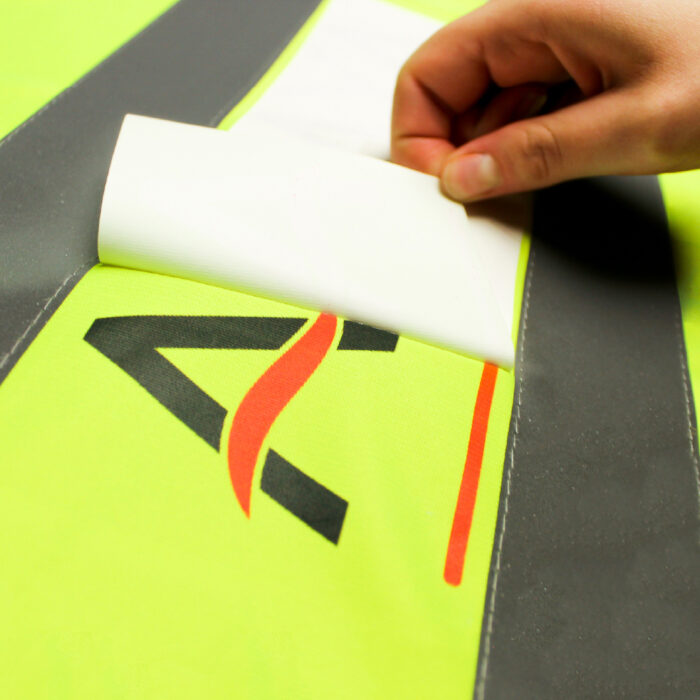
x=469 y=176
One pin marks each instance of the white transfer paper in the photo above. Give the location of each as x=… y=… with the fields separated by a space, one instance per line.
x=339 y=86
x=338 y=90
x=259 y=210
x=295 y=203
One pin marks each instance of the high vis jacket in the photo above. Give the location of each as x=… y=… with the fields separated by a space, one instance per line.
x=210 y=493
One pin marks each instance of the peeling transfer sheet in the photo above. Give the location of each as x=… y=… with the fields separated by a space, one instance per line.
x=296 y=202
x=258 y=210
x=339 y=87
x=338 y=90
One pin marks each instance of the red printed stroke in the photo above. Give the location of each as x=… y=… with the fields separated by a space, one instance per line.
x=462 y=522
x=267 y=398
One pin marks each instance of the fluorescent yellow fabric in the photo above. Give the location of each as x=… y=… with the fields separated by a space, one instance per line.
x=682 y=198
x=46 y=46
x=133 y=571
x=135 y=574
x=443 y=10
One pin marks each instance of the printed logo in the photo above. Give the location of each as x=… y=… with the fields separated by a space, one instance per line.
x=132 y=343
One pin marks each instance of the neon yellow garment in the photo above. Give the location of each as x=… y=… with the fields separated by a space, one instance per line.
x=134 y=571
x=47 y=46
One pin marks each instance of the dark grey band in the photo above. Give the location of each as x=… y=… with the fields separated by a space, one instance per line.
x=595 y=582
x=193 y=64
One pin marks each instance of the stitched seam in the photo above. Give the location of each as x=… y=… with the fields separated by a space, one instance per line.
x=692 y=439
x=483 y=668
x=219 y=116
x=98 y=67
x=6 y=357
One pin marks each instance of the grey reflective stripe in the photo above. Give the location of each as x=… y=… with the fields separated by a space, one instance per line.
x=595 y=581
x=192 y=64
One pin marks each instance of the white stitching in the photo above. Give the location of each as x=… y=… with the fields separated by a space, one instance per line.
x=99 y=66
x=481 y=679
x=692 y=444
x=5 y=358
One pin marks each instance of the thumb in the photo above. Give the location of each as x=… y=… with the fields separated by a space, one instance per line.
x=602 y=135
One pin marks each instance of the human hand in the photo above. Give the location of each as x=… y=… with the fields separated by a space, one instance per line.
x=467 y=102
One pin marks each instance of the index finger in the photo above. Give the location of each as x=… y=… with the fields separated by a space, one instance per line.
x=444 y=77
x=504 y=43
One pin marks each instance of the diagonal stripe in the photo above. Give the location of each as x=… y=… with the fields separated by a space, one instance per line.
x=311 y=502
x=191 y=65
x=595 y=583
x=266 y=400
x=462 y=522
x=360 y=336
x=132 y=343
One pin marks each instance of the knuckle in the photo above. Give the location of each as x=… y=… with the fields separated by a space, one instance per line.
x=540 y=153
x=668 y=128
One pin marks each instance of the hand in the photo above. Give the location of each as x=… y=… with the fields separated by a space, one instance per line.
x=621 y=79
